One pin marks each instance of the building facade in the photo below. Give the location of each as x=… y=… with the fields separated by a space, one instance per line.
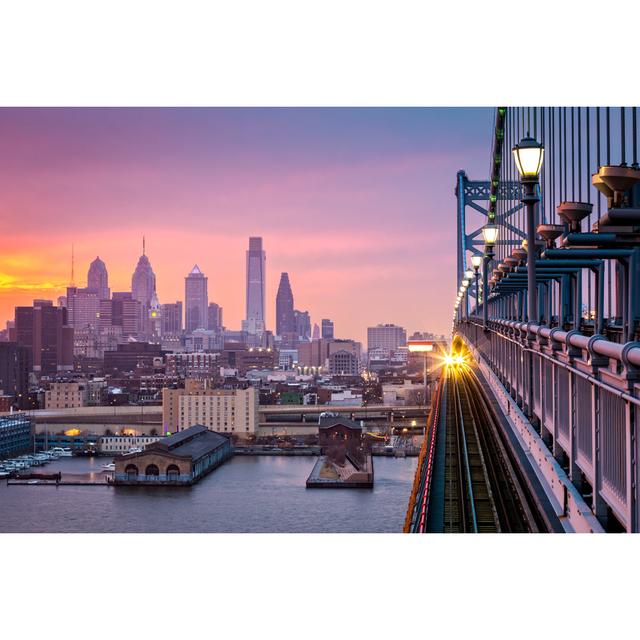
x=285 y=316
x=215 y=317
x=16 y=433
x=14 y=372
x=143 y=286
x=389 y=337
x=227 y=411
x=64 y=395
x=118 y=445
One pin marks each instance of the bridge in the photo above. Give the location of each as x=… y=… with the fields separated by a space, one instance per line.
x=273 y=419
x=534 y=425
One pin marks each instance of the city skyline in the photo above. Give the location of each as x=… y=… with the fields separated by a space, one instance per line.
x=346 y=200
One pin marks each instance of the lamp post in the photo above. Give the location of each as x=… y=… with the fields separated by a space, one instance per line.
x=476 y=261
x=490 y=237
x=425 y=347
x=468 y=274
x=528 y=157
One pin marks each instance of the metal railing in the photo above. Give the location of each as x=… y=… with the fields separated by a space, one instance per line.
x=582 y=394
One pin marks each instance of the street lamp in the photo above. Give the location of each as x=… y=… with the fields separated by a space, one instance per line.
x=490 y=237
x=426 y=347
x=528 y=157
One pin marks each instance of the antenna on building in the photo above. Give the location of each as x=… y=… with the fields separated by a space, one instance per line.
x=72 y=283
x=143 y=246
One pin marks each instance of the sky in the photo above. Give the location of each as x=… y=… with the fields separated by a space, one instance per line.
x=356 y=204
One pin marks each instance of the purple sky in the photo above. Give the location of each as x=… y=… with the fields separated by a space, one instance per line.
x=356 y=204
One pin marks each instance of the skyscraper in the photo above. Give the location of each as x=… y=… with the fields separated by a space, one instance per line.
x=327 y=329
x=43 y=330
x=389 y=337
x=215 y=317
x=143 y=286
x=196 y=300
x=256 y=263
x=83 y=307
x=172 y=318
x=285 y=317
x=98 y=279
x=303 y=324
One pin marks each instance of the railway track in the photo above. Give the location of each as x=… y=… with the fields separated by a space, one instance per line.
x=474 y=483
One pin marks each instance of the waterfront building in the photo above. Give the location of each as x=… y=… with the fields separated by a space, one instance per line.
x=254 y=322
x=44 y=331
x=224 y=410
x=195 y=300
x=215 y=317
x=64 y=395
x=285 y=316
x=14 y=372
x=118 y=445
x=16 y=432
x=180 y=459
x=389 y=337
x=143 y=286
x=98 y=279
x=327 y=329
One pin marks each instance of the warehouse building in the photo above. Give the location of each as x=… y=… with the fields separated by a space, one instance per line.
x=180 y=459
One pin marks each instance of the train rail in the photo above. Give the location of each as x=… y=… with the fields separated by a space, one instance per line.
x=468 y=479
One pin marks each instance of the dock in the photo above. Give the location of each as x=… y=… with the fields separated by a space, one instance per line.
x=328 y=474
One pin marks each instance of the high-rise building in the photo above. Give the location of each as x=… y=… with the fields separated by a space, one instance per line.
x=303 y=324
x=316 y=332
x=44 y=331
x=14 y=372
x=285 y=317
x=143 y=286
x=98 y=279
x=172 y=318
x=83 y=307
x=196 y=300
x=121 y=311
x=256 y=264
x=327 y=329
x=389 y=337
x=215 y=317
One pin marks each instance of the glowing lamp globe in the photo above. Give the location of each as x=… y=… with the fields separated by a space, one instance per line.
x=490 y=233
x=476 y=261
x=528 y=157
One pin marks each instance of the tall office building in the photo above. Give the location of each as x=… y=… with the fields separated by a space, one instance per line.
x=98 y=279
x=44 y=331
x=303 y=324
x=215 y=317
x=388 y=337
x=143 y=286
x=172 y=318
x=196 y=300
x=83 y=307
x=327 y=329
x=14 y=372
x=285 y=317
x=256 y=264
x=121 y=311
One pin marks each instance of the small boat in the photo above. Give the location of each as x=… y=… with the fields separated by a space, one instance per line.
x=108 y=468
x=4 y=473
x=63 y=452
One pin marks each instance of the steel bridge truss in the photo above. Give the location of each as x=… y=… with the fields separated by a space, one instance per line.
x=469 y=193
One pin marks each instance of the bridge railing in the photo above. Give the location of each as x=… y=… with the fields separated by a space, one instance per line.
x=582 y=394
